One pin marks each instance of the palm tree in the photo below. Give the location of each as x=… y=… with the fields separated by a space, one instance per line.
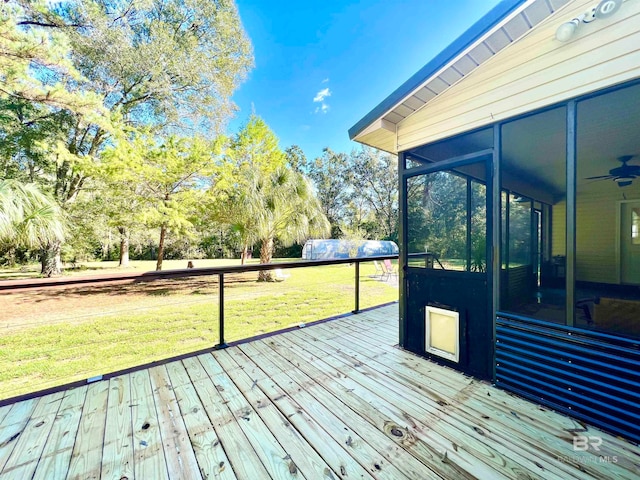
x=31 y=218
x=280 y=205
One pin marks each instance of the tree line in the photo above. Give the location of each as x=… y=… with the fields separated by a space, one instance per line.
x=112 y=142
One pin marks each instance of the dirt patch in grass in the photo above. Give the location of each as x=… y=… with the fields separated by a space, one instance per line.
x=56 y=335
x=50 y=305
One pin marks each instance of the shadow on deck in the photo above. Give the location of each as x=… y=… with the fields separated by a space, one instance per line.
x=336 y=400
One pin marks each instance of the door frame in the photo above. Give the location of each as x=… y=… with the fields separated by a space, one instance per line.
x=490 y=158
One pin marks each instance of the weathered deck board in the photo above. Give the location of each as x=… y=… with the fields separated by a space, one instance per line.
x=436 y=417
x=332 y=452
x=244 y=460
x=212 y=460
x=311 y=400
x=29 y=446
x=334 y=401
x=406 y=416
x=86 y=458
x=303 y=456
x=366 y=443
x=343 y=394
x=148 y=452
x=272 y=455
x=12 y=427
x=181 y=459
x=418 y=382
x=482 y=396
x=4 y=411
x=117 y=454
x=56 y=456
x=542 y=431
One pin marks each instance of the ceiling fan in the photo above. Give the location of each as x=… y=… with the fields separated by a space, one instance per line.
x=622 y=175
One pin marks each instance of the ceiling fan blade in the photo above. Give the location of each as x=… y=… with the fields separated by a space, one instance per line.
x=599 y=177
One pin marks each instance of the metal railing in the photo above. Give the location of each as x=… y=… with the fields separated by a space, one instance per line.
x=430 y=259
x=230 y=273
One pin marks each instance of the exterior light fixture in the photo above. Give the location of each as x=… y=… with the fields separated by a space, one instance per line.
x=603 y=10
x=567 y=29
x=606 y=8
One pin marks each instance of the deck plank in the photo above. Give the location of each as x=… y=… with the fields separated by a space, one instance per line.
x=56 y=457
x=12 y=427
x=389 y=420
x=367 y=444
x=177 y=374
x=499 y=398
x=275 y=459
x=117 y=454
x=539 y=429
x=333 y=453
x=428 y=420
x=535 y=442
x=29 y=447
x=211 y=457
x=321 y=385
x=304 y=457
x=181 y=459
x=430 y=401
x=364 y=341
x=148 y=452
x=4 y=410
x=86 y=458
x=244 y=460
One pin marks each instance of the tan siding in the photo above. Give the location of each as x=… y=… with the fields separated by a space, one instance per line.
x=534 y=72
x=596 y=249
x=559 y=229
x=596 y=238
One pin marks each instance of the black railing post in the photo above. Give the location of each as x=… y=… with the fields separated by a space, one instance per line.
x=221 y=342
x=357 y=309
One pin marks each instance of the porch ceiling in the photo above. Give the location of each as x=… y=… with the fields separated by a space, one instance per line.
x=331 y=401
x=608 y=126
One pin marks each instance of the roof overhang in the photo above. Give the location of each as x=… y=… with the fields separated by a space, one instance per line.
x=503 y=25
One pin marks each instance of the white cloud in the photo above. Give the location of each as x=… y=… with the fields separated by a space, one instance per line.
x=326 y=80
x=321 y=95
x=320 y=98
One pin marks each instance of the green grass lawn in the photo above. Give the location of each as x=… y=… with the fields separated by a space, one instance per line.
x=55 y=336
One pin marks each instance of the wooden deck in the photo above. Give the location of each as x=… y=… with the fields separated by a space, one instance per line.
x=336 y=400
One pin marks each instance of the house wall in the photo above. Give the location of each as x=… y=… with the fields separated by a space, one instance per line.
x=597 y=251
x=534 y=72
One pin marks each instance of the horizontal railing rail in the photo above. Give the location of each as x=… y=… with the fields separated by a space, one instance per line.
x=429 y=258
x=179 y=273
x=226 y=279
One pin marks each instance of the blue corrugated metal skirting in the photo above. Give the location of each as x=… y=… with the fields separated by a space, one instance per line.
x=592 y=376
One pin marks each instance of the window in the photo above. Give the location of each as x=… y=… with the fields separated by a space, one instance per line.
x=446 y=220
x=437 y=220
x=533 y=206
x=607 y=287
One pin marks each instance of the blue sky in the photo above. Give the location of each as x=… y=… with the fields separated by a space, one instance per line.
x=320 y=66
